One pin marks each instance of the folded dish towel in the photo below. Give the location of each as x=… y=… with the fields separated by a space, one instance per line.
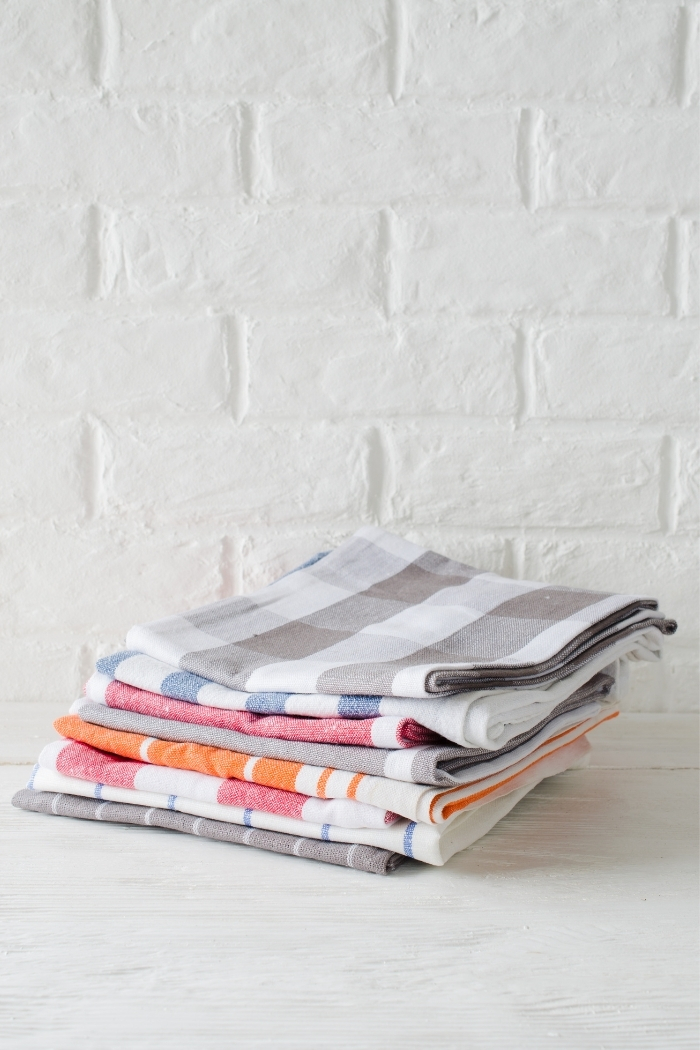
x=90 y=762
x=442 y=765
x=487 y=718
x=90 y=751
x=433 y=844
x=381 y=700
x=389 y=732
x=362 y=858
x=379 y=615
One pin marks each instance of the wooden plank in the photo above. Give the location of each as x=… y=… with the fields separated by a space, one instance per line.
x=647 y=741
x=572 y=924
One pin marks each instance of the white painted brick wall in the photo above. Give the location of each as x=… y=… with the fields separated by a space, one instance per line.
x=270 y=269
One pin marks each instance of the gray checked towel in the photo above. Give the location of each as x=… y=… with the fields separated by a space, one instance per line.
x=380 y=615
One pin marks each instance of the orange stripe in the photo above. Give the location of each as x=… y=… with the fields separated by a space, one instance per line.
x=462 y=803
x=126 y=744
x=322 y=781
x=354 y=784
x=273 y=772
x=215 y=761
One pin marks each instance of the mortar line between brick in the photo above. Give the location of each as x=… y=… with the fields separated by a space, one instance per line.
x=687 y=60
x=388 y=275
x=524 y=375
x=672 y=269
x=228 y=564
x=397 y=47
x=105 y=44
x=538 y=533
x=669 y=485
x=379 y=475
x=93 y=467
x=234 y=338
x=93 y=254
x=527 y=160
x=683 y=269
x=85 y=664
x=249 y=148
x=517 y=549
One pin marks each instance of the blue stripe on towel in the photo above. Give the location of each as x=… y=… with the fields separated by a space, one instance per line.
x=109 y=664
x=267 y=703
x=408 y=839
x=248 y=818
x=182 y=685
x=359 y=706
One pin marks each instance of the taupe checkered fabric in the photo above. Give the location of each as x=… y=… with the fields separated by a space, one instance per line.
x=383 y=616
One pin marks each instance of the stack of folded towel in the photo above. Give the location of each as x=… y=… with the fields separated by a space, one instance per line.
x=380 y=702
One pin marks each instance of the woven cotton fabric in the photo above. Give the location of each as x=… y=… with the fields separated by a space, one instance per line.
x=441 y=765
x=176 y=769
x=382 y=616
x=361 y=858
x=379 y=701
x=200 y=772
x=384 y=732
x=488 y=719
x=433 y=844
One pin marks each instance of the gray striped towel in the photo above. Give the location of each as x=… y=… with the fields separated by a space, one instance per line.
x=347 y=855
x=382 y=616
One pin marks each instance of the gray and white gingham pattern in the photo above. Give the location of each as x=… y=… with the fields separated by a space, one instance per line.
x=382 y=616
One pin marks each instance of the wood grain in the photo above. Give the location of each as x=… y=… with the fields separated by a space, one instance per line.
x=572 y=924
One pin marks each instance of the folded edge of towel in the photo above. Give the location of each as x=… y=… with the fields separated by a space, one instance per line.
x=371 y=859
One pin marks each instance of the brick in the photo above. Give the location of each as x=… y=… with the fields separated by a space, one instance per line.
x=303 y=48
x=553 y=263
x=520 y=51
x=266 y=554
x=42 y=47
x=65 y=363
x=250 y=475
x=35 y=671
x=269 y=553
x=483 y=550
x=339 y=370
x=44 y=253
x=41 y=471
x=88 y=585
x=102 y=148
x=221 y=258
x=595 y=372
x=249 y=301
x=668 y=685
x=485 y=477
x=655 y=567
x=682 y=673
x=614 y=158
x=403 y=152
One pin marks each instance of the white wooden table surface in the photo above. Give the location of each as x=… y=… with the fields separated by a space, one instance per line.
x=572 y=924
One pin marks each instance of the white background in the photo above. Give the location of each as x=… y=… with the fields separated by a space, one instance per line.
x=271 y=269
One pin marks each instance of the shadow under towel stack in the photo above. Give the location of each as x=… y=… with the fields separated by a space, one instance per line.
x=380 y=702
